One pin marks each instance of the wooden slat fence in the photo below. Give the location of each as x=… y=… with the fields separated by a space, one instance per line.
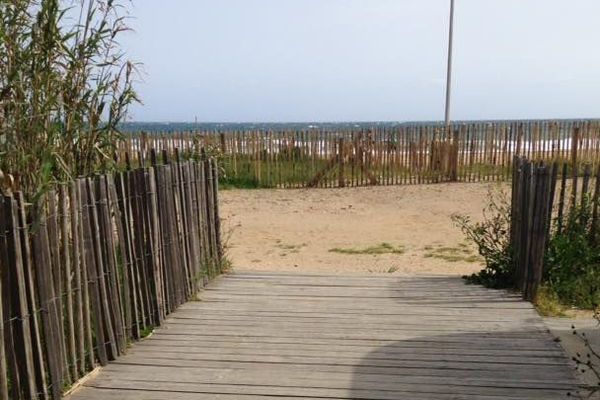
x=464 y=152
x=97 y=264
x=542 y=195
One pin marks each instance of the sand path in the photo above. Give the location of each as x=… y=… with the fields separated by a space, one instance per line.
x=379 y=230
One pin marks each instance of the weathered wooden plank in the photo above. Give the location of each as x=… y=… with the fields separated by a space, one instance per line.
x=32 y=302
x=76 y=283
x=91 y=277
x=111 y=272
x=154 y=244
x=323 y=356
x=56 y=270
x=112 y=394
x=4 y=378
x=360 y=392
x=48 y=302
x=303 y=375
x=139 y=270
x=336 y=380
x=11 y=314
x=18 y=292
x=125 y=238
x=67 y=278
x=86 y=256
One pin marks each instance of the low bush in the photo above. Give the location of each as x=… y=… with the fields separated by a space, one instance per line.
x=572 y=260
x=492 y=238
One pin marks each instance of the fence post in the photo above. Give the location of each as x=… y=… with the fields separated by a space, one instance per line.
x=3 y=368
x=587 y=173
x=341 y=181
x=515 y=210
x=538 y=231
x=561 y=201
x=525 y=224
x=553 y=178
x=223 y=143
x=17 y=292
x=595 y=201
x=574 y=166
x=454 y=156
x=50 y=316
x=215 y=177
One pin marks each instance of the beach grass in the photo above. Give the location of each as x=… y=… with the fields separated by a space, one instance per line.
x=379 y=249
x=243 y=171
x=459 y=253
x=548 y=304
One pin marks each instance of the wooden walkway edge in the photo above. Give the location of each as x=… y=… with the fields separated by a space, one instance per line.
x=259 y=336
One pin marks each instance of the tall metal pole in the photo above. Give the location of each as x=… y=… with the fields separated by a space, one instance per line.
x=449 y=72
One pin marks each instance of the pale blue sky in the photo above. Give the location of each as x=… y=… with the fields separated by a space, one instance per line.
x=364 y=60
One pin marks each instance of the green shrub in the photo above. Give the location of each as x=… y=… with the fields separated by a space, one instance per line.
x=572 y=260
x=492 y=238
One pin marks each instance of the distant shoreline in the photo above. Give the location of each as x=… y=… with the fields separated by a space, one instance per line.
x=150 y=126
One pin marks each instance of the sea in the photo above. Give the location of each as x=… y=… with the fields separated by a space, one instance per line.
x=151 y=127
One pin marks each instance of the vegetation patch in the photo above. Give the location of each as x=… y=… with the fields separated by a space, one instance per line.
x=491 y=236
x=294 y=248
x=233 y=182
x=66 y=85
x=288 y=248
x=571 y=260
x=382 y=248
x=144 y=333
x=384 y=270
x=226 y=265
x=548 y=303
x=461 y=253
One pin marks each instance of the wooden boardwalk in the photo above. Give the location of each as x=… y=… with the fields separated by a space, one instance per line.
x=259 y=336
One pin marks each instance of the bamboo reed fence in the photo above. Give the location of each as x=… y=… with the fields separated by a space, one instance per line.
x=542 y=193
x=379 y=156
x=97 y=264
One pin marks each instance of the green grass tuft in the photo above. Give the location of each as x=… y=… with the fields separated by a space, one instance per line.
x=294 y=247
x=461 y=253
x=548 y=303
x=382 y=248
x=146 y=332
x=289 y=248
x=241 y=183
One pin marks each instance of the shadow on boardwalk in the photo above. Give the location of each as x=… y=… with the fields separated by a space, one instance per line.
x=507 y=365
x=508 y=356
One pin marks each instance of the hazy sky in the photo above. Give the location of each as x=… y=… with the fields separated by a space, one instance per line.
x=364 y=60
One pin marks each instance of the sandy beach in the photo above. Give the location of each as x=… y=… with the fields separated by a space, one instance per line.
x=368 y=230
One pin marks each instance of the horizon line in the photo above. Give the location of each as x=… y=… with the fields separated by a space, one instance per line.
x=358 y=121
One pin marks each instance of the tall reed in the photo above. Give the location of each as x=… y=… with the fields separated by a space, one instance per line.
x=65 y=85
